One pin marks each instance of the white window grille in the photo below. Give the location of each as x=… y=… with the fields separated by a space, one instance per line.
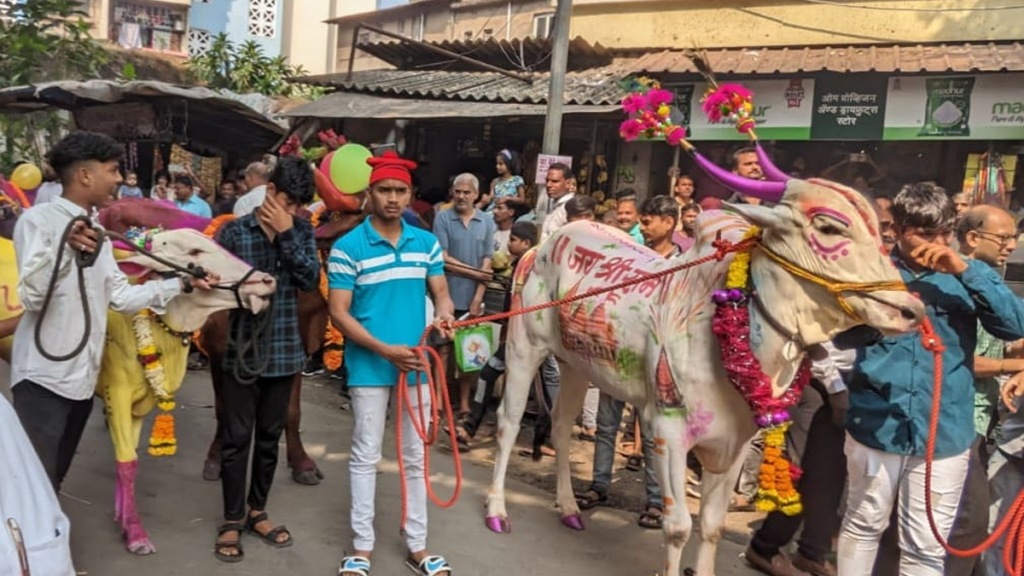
x=542 y=25
x=263 y=18
x=199 y=41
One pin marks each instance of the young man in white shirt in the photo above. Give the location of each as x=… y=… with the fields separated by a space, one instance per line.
x=53 y=398
x=558 y=186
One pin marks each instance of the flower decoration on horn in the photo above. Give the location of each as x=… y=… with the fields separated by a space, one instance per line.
x=648 y=107
x=731 y=325
x=730 y=102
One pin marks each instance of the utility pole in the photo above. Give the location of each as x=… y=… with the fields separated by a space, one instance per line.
x=556 y=88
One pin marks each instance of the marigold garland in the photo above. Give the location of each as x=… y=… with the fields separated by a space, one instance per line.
x=162 y=441
x=731 y=325
x=216 y=224
x=333 y=340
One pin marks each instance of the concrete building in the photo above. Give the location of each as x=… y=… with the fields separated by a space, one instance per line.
x=295 y=29
x=440 y=21
x=736 y=23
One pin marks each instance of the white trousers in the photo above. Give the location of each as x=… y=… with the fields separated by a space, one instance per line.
x=877 y=481
x=590 y=404
x=370 y=408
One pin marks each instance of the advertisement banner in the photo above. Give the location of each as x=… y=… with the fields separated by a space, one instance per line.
x=987 y=107
x=849 y=108
x=782 y=109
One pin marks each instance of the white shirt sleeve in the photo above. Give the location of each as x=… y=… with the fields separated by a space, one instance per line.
x=35 y=246
x=826 y=372
x=555 y=220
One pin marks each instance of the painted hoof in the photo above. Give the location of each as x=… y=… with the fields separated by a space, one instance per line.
x=307 y=477
x=141 y=547
x=211 y=471
x=498 y=524
x=573 y=521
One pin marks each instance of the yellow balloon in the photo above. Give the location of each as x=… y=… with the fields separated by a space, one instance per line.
x=10 y=306
x=27 y=177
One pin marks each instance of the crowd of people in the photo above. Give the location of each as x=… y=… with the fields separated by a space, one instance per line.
x=859 y=429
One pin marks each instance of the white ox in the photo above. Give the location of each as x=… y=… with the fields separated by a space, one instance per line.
x=629 y=342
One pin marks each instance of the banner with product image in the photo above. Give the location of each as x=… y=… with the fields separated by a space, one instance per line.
x=782 y=109
x=983 y=107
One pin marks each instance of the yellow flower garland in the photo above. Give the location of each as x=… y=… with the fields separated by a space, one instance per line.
x=739 y=269
x=162 y=441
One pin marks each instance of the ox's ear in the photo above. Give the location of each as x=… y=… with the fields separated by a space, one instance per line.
x=762 y=216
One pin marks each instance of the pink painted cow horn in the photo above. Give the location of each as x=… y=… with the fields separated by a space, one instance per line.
x=763 y=189
x=770 y=170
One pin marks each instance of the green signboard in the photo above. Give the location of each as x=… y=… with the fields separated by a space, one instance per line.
x=848 y=108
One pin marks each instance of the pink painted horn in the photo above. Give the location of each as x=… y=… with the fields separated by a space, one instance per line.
x=770 y=170
x=763 y=189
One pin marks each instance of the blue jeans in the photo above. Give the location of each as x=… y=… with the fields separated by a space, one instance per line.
x=1005 y=480
x=609 y=417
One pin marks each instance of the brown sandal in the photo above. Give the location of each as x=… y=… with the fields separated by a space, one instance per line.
x=221 y=546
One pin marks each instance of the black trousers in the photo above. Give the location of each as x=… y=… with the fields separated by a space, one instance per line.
x=816 y=444
x=257 y=410
x=54 y=424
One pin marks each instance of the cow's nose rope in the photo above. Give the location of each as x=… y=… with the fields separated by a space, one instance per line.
x=1012 y=525
x=834 y=287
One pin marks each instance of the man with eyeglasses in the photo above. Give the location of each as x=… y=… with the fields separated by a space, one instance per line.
x=892 y=383
x=988 y=234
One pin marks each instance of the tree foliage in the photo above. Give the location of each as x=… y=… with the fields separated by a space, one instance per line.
x=41 y=40
x=246 y=68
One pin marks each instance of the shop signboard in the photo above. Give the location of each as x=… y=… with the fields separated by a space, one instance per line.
x=546 y=160
x=848 y=108
x=985 y=107
x=782 y=109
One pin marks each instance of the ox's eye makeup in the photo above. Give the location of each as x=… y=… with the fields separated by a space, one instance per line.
x=195 y=252
x=829 y=226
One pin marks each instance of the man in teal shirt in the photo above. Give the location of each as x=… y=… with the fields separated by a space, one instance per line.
x=891 y=388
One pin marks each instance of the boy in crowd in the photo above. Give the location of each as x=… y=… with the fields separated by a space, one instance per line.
x=891 y=387
x=378 y=276
x=580 y=208
x=53 y=398
x=255 y=400
x=523 y=237
x=130 y=188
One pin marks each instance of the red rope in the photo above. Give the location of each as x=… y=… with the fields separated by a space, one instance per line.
x=1012 y=525
x=438 y=388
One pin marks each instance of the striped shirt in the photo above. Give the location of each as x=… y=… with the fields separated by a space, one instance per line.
x=389 y=289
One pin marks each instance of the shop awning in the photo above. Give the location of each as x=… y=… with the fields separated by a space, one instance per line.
x=352 y=105
x=908 y=59
x=202 y=120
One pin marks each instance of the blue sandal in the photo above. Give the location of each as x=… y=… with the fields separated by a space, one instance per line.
x=430 y=566
x=354 y=565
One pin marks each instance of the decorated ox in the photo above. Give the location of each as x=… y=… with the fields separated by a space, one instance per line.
x=212 y=338
x=816 y=267
x=146 y=354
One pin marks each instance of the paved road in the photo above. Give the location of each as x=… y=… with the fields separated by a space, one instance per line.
x=181 y=512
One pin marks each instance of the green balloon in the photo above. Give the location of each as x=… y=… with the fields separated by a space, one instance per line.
x=349 y=171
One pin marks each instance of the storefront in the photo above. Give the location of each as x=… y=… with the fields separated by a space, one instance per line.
x=871 y=130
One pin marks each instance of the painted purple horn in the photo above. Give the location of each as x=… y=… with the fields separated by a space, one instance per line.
x=771 y=171
x=763 y=189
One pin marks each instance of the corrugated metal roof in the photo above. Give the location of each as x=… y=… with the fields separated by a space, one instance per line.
x=350 y=105
x=586 y=88
x=967 y=57
x=524 y=54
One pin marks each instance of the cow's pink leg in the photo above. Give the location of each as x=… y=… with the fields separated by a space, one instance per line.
x=118 y=498
x=522 y=360
x=135 y=537
x=571 y=392
x=670 y=447
x=716 y=490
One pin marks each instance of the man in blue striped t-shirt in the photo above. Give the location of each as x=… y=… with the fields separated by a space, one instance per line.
x=378 y=275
